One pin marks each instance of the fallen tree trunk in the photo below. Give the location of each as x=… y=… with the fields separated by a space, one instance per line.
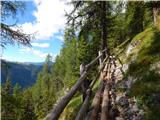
x=95 y=60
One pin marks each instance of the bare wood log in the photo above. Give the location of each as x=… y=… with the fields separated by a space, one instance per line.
x=83 y=110
x=84 y=107
x=94 y=61
x=105 y=71
x=105 y=103
x=83 y=88
x=58 y=109
x=96 y=102
x=100 y=59
x=81 y=69
x=110 y=68
x=99 y=72
x=100 y=63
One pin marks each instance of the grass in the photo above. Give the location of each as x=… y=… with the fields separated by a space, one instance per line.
x=74 y=105
x=72 y=109
x=147 y=51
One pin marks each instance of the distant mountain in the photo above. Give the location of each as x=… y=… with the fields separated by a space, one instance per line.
x=25 y=74
x=35 y=63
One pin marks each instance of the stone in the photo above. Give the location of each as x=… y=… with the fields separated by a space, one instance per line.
x=129 y=49
x=119 y=118
x=135 y=108
x=123 y=101
x=125 y=67
x=141 y=112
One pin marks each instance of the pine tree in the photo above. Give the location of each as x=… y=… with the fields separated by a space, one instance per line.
x=28 y=112
x=89 y=16
x=7 y=105
x=18 y=96
x=42 y=90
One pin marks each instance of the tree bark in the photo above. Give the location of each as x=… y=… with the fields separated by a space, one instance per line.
x=104 y=26
x=58 y=109
x=105 y=103
x=155 y=11
x=96 y=102
x=81 y=114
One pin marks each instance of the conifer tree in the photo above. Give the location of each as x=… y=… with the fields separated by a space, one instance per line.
x=42 y=90
x=135 y=17
x=8 y=34
x=18 y=98
x=28 y=112
x=7 y=108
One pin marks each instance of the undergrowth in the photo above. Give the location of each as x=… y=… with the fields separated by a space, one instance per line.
x=147 y=51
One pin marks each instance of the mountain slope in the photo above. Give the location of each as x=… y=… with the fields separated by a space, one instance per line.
x=138 y=93
x=25 y=74
x=142 y=56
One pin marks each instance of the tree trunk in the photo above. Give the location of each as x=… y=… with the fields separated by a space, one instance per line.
x=155 y=11
x=104 y=26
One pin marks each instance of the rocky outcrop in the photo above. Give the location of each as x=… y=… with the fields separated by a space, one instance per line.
x=122 y=106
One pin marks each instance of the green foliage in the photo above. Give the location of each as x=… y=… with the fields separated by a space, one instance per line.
x=16 y=105
x=148 y=47
x=72 y=108
x=28 y=112
x=93 y=25
x=153 y=113
x=43 y=92
x=10 y=9
x=134 y=17
x=18 y=96
x=7 y=108
x=64 y=70
x=145 y=69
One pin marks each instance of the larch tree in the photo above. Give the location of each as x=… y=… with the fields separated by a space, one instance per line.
x=11 y=33
x=7 y=106
x=90 y=15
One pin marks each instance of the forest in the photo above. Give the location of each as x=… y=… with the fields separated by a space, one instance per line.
x=129 y=30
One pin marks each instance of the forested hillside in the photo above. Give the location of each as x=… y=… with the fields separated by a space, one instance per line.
x=129 y=32
x=25 y=74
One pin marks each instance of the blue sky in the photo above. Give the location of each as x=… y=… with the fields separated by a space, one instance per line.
x=44 y=18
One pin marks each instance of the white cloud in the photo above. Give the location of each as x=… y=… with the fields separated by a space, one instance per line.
x=50 y=18
x=5 y=58
x=41 y=45
x=37 y=53
x=60 y=38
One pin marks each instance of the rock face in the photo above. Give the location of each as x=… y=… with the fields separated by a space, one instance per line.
x=130 y=47
x=126 y=107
